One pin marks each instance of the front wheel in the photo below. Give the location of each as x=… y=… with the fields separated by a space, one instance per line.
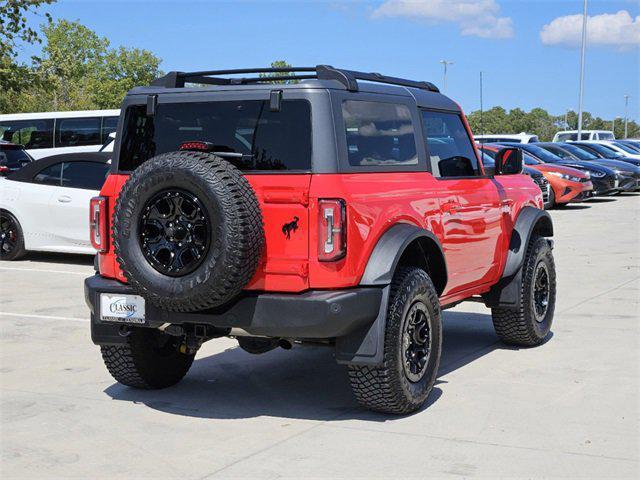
x=412 y=346
x=530 y=324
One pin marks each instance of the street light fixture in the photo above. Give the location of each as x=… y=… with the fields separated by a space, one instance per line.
x=445 y=63
x=626 y=114
x=582 y=52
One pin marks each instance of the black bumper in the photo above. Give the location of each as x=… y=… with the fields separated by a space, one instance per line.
x=319 y=314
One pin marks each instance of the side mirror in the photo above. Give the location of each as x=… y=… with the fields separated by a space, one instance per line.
x=509 y=161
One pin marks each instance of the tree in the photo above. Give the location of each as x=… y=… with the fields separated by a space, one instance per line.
x=13 y=24
x=122 y=70
x=279 y=64
x=78 y=70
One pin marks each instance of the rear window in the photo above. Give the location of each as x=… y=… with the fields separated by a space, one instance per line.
x=13 y=157
x=267 y=140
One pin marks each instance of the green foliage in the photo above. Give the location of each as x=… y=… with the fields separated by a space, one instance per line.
x=539 y=122
x=77 y=70
x=279 y=64
x=13 y=24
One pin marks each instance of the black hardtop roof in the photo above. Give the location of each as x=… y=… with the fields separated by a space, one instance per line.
x=27 y=172
x=323 y=77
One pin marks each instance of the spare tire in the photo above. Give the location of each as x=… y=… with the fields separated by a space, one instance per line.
x=187 y=231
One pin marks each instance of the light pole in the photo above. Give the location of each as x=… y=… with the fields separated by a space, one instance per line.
x=445 y=63
x=626 y=114
x=584 y=47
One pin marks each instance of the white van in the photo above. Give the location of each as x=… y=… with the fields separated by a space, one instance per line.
x=51 y=133
x=507 y=137
x=567 y=135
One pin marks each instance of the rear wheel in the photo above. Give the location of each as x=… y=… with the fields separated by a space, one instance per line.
x=150 y=360
x=413 y=342
x=11 y=237
x=530 y=324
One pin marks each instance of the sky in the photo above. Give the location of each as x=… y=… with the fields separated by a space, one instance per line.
x=528 y=50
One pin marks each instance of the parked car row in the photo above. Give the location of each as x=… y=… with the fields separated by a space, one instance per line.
x=577 y=171
x=44 y=203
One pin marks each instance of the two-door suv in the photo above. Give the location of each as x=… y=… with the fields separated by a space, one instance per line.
x=309 y=205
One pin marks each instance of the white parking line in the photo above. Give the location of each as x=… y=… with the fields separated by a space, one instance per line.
x=43 y=317
x=40 y=270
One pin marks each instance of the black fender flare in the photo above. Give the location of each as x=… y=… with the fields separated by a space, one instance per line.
x=389 y=250
x=365 y=346
x=506 y=293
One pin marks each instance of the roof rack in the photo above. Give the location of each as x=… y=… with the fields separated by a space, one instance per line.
x=349 y=78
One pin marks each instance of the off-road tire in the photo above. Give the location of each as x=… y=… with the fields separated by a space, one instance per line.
x=518 y=326
x=386 y=388
x=149 y=360
x=18 y=251
x=236 y=240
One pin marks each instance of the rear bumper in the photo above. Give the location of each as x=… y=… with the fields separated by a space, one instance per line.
x=320 y=314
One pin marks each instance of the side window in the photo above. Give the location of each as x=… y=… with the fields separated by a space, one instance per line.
x=87 y=175
x=75 y=132
x=30 y=133
x=379 y=134
x=109 y=125
x=448 y=145
x=50 y=175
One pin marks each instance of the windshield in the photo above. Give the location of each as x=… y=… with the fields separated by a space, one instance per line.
x=603 y=150
x=606 y=136
x=529 y=160
x=266 y=140
x=578 y=152
x=627 y=148
x=542 y=154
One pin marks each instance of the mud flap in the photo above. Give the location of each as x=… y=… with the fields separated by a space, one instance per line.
x=365 y=345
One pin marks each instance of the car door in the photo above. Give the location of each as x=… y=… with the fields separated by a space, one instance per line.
x=471 y=202
x=69 y=205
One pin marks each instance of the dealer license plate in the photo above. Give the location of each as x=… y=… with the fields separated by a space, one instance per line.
x=122 y=308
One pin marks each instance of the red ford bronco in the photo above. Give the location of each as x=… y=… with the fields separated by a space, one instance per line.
x=312 y=205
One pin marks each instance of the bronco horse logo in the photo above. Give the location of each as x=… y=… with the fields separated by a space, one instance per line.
x=292 y=226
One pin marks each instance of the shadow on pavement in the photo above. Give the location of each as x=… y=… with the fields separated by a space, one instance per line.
x=602 y=200
x=573 y=206
x=67 y=258
x=303 y=383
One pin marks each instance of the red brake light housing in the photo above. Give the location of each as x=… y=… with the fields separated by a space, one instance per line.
x=197 y=145
x=98 y=224
x=332 y=230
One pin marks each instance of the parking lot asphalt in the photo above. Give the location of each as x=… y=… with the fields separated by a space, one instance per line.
x=570 y=408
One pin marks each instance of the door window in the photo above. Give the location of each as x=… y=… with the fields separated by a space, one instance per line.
x=50 y=175
x=109 y=125
x=379 y=134
x=449 y=147
x=75 y=132
x=86 y=175
x=30 y=133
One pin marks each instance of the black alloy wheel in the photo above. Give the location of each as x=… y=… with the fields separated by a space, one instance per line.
x=175 y=232
x=541 y=291
x=416 y=342
x=8 y=235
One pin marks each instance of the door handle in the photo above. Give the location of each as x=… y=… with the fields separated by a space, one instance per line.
x=64 y=199
x=449 y=207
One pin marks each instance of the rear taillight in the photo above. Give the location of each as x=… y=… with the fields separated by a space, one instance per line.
x=332 y=230
x=98 y=224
